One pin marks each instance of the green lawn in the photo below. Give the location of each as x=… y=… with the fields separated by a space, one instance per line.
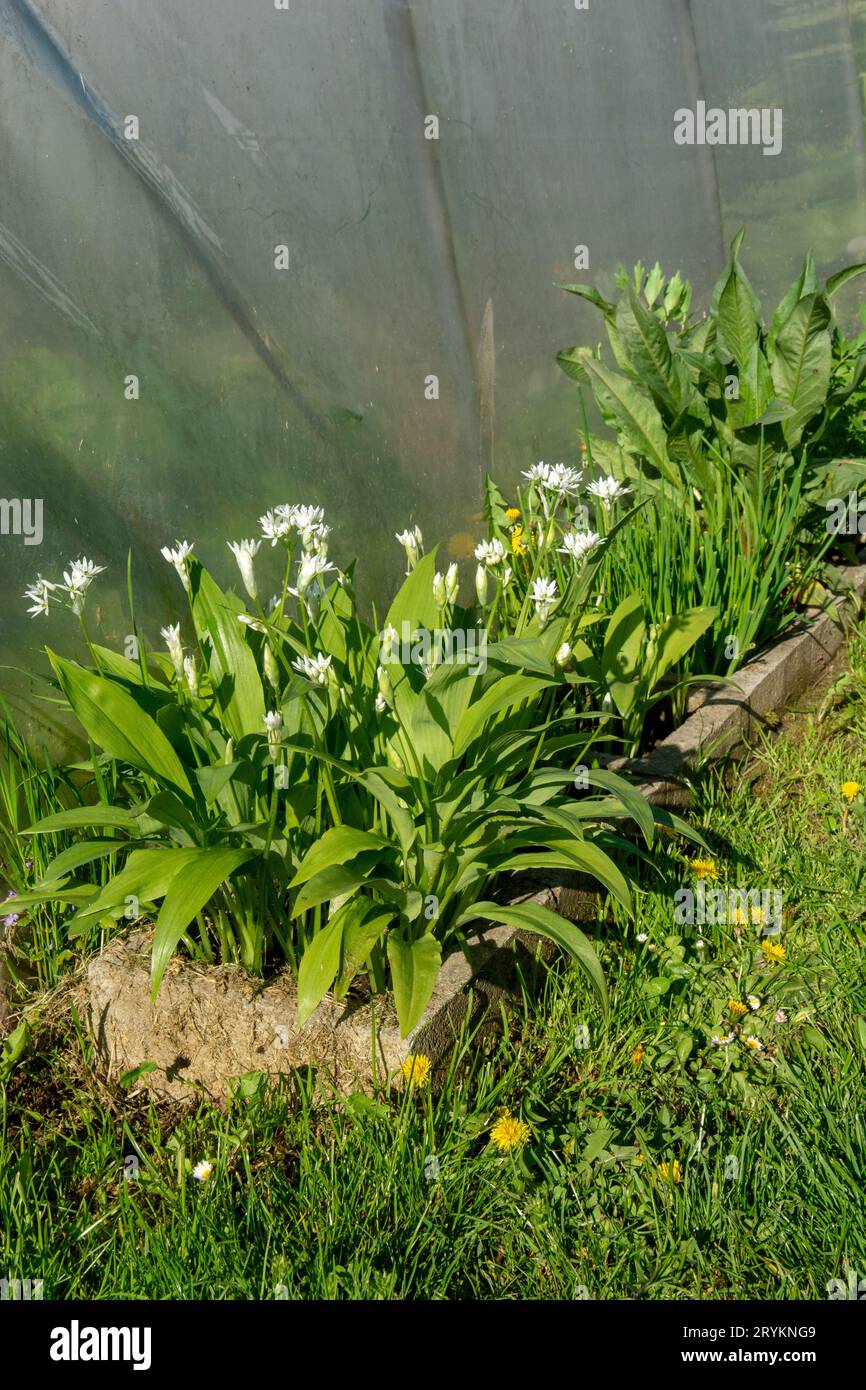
x=312 y=1196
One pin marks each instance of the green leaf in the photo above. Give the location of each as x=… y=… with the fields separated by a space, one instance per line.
x=644 y=339
x=79 y=854
x=835 y=282
x=508 y=692
x=540 y=920
x=364 y=922
x=638 y=419
x=319 y=965
x=192 y=887
x=739 y=314
x=14 y=1049
x=231 y=665
x=806 y=283
x=86 y=818
x=677 y=636
x=129 y=1078
x=146 y=875
x=591 y=294
x=414 y=603
x=802 y=362
x=335 y=882
x=340 y=845
x=415 y=969
x=116 y=723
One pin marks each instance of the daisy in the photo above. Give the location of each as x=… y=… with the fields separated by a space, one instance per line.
x=203 y=1170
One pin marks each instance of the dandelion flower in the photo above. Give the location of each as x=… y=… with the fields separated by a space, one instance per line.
x=638 y=1055
x=512 y=513
x=517 y=542
x=416 y=1069
x=671 y=1172
x=203 y=1171
x=509 y=1133
x=705 y=868
x=773 y=952
x=849 y=790
x=736 y=1007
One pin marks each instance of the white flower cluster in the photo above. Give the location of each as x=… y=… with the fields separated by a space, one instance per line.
x=76 y=581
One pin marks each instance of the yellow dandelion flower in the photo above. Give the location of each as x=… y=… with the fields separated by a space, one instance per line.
x=517 y=544
x=849 y=790
x=757 y=915
x=638 y=1055
x=509 y=1133
x=738 y=917
x=773 y=952
x=736 y=1007
x=416 y=1069
x=513 y=513
x=671 y=1172
x=704 y=868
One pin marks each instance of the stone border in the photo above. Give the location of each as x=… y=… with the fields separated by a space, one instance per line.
x=337 y=1040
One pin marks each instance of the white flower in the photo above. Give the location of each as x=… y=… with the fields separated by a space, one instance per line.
x=606 y=489
x=39 y=594
x=562 y=480
x=538 y=473
x=245 y=552
x=178 y=557
x=506 y=576
x=269 y=662
x=389 y=647
x=642 y=936
x=544 y=594
x=413 y=544
x=381 y=704
x=753 y=1002
x=700 y=943
x=440 y=597
x=249 y=621
x=578 y=544
x=563 y=656
x=273 y=722
x=452 y=583
x=753 y=1044
x=310 y=524
x=277 y=523
x=386 y=689
x=780 y=1016
x=77 y=580
x=481 y=584
x=723 y=1041
x=311 y=566
x=203 y=1170
x=191 y=674
x=315 y=668
x=171 y=637
x=490 y=552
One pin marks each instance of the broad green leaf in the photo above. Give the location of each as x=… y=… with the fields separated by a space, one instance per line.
x=116 y=723
x=677 y=636
x=414 y=603
x=231 y=665
x=364 y=923
x=806 y=283
x=415 y=969
x=319 y=966
x=644 y=339
x=85 y=818
x=592 y=295
x=739 y=315
x=191 y=889
x=335 y=882
x=637 y=418
x=835 y=282
x=76 y=855
x=147 y=875
x=540 y=920
x=339 y=845
x=506 y=693
x=802 y=362
x=756 y=391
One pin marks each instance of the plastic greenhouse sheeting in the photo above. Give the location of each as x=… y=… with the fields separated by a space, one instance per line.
x=242 y=264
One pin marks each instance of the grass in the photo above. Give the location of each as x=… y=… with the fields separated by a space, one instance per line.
x=313 y=1196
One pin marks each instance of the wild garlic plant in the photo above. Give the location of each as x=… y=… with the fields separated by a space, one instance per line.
x=299 y=785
